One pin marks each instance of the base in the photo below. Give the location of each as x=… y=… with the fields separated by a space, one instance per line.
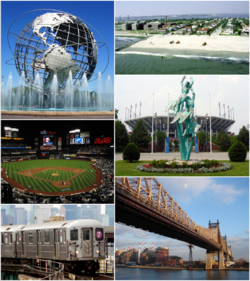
x=180 y=162
x=58 y=113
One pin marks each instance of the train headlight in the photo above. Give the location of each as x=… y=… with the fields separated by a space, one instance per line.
x=77 y=252
x=97 y=251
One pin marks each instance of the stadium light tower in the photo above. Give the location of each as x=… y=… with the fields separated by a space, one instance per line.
x=168 y=118
x=211 y=147
x=152 y=135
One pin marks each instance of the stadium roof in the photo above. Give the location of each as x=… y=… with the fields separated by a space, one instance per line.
x=217 y=123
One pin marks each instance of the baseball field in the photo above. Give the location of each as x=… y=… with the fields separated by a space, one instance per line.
x=52 y=176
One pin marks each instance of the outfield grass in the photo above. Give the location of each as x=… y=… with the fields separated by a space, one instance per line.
x=47 y=175
x=82 y=181
x=125 y=168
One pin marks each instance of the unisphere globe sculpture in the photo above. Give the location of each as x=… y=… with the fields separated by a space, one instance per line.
x=56 y=55
x=56 y=43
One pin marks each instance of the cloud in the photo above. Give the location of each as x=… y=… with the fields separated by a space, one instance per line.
x=247 y=231
x=226 y=193
x=185 y=190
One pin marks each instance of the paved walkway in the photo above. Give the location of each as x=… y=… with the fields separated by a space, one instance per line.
x=172 y=155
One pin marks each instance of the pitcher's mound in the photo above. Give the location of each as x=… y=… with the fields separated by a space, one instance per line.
x=55 y=175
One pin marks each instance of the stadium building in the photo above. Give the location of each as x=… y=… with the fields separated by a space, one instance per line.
x=161 y=124
x=57 y=161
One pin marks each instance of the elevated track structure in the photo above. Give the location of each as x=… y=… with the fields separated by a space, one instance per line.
x=145 y=204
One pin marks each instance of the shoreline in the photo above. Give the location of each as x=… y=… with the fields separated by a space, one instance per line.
x=179 y=268
x=193 y=43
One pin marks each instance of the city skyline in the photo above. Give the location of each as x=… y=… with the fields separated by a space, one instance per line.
x=31 y=214
x=215 y=199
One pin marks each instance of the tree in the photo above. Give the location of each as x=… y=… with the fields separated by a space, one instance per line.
x=237 y=152
x=140 y=136
x=116 y=113
x=202 y=138
x=223 y=140
x=131 y=152
x=244 y=136
x=121 y=136
x=161 y=137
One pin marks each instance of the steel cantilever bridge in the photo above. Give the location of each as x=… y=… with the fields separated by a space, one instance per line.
x=144 y=203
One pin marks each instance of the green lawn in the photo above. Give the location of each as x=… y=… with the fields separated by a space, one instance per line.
x=47 y=175
x=125 y=168
x=80 y=182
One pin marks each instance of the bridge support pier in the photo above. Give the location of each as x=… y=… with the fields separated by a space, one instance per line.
x=221 y=260
x=227 y=258
x=209 y=260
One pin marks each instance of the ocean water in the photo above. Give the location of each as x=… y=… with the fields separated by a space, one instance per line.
x=149 y=61
x=125 y=41
x=162 y=274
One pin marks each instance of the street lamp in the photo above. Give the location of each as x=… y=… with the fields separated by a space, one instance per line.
x=155 y=132
x=152 y=134
x=206 y=131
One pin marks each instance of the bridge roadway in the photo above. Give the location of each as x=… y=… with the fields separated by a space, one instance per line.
x=139 y=215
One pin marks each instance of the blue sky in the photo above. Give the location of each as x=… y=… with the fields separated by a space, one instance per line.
x=150 y=8
x=203 y=199
x=99 y=14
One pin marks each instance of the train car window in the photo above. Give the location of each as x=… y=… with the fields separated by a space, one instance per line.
x=64 y=237
x=46 y=236
x=31 y=238
x=85 y=234
x=10 y=238
x=60 y=236
x=6 y=239
x=99 y=234
x=2 y=238
x=74 y=234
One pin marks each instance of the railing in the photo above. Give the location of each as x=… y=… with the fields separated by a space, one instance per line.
x=52 y=270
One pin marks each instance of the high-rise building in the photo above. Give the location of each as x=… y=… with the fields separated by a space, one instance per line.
x=42 y=214
x=21 y=216
x=3 y=216
x=91 y=212
x=54 y=211
x=70 y=212
x=109 y=210
x=105 y=220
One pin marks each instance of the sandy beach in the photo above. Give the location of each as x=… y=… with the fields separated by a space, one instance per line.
x=194 y=42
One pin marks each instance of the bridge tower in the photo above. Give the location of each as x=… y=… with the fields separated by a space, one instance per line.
x=191 y=247
x=139 y=252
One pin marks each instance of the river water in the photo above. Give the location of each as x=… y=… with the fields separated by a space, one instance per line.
x=164 y=274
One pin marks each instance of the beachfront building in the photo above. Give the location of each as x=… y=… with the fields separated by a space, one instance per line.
x=188 y=29
x=203 y=30
x=181 y=31
x=153 y=25
x=228 y=29
x=194 y=27
x=126 y=26
x=245 y=31
x=138 y=25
